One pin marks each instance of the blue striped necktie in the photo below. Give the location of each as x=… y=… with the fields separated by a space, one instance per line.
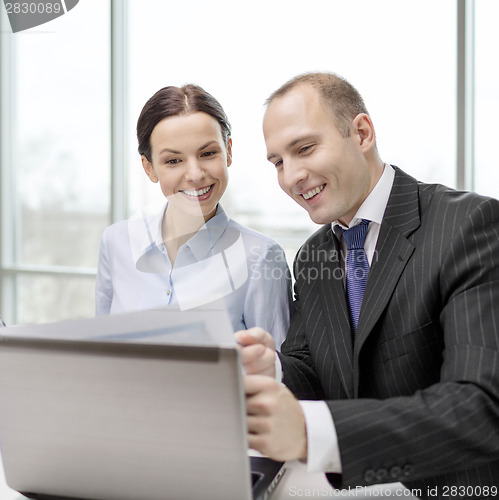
x=357 y=269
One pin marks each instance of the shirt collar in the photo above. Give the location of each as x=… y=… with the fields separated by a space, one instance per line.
x=203 y=241
x=373 y=207
x=200 y=244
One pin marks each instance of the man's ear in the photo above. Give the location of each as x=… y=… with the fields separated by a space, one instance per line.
x=148 y=169
x=363 y=127
x=229 y=152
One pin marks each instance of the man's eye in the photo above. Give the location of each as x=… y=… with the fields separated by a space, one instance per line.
x=305 y=149
x=278 y=163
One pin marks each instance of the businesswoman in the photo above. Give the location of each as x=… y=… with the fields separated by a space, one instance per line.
x=190 y=253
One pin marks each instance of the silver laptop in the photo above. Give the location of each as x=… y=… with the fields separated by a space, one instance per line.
x=117 y=418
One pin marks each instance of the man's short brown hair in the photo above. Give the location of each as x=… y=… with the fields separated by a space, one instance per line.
x=343 y=98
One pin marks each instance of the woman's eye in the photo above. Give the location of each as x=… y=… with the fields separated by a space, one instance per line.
x=278 y=163
x=172 y=161
x=208 y=153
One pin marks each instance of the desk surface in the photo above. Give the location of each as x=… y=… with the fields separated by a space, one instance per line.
x=296 y=483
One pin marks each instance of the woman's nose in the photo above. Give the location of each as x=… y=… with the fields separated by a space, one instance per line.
x=194 y=171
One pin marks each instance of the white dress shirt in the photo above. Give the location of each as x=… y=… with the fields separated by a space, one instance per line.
x=223 y=260
x=323 y=451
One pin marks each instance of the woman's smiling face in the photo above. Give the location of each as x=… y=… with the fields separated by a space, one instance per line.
x=189 y=159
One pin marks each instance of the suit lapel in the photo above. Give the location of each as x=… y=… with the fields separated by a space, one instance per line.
x=336 y=312
x=393 y=251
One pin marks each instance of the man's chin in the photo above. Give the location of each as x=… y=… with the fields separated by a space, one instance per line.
x=319 y=218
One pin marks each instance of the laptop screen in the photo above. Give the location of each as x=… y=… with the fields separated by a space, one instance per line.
x=113 y=419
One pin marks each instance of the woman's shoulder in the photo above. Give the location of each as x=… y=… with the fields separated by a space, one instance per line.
x=142 y=225
x=115 y=230
x=252 y=236
x=257 y=247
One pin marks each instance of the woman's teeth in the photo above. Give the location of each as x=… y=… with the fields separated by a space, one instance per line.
x=194 y=192
x=313 y=192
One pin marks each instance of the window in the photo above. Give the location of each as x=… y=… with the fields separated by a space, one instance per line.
x=63 y=129
x=55 y=164
x=486 y=83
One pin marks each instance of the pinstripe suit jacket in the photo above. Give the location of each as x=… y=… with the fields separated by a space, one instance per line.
x=416 y=399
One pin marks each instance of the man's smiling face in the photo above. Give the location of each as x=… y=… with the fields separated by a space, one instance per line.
x=323 y=171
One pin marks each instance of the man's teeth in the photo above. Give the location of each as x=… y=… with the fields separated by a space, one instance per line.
x=313 y=192
x=193 y=192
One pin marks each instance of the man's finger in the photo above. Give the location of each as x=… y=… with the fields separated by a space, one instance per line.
x=255 y=384
x=253 y=336
x=251 y=353
x=258 y=425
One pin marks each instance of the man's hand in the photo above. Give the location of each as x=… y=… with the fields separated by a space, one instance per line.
x=257 y=351
x=276 y=423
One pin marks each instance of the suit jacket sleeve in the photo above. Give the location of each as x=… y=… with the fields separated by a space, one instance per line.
x=298 y=367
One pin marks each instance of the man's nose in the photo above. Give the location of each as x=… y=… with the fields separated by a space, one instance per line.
x=293 y=174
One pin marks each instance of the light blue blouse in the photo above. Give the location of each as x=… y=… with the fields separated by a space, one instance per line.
x=222 y=261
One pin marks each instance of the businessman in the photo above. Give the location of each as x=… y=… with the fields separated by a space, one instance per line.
x=393 y=349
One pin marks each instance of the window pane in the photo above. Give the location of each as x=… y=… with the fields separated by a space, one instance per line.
x=41 y=299
x=62 y=137
x=486 y=97
x=400 y=55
